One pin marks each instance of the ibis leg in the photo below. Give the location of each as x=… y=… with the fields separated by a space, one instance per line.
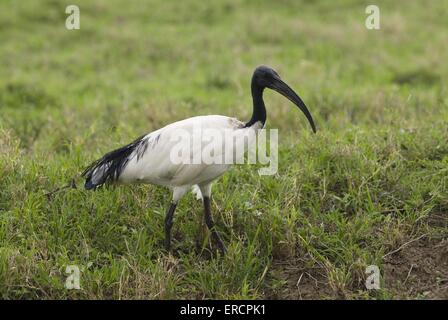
x=211 y=225
x=169 y=224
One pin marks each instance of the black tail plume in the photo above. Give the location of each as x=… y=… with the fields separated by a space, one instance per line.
x=111 y=165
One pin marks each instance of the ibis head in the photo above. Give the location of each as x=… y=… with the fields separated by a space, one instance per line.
x=266 y=77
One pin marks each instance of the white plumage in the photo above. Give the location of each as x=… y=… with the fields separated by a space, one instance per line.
x=155 y=166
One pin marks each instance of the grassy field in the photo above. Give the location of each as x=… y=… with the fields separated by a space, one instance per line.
x=370 y=188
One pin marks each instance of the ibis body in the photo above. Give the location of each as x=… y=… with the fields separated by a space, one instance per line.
x=149 y=159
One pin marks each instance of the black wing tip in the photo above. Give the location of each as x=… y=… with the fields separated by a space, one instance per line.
x=87 y=174
x=110 y=166
x=89 y=185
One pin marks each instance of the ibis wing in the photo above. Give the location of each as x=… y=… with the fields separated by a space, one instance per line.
x=168 y=156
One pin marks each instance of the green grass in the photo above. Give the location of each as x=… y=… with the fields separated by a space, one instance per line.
x=374 y=178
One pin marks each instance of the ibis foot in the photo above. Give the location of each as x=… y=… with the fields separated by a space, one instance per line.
x=211 y=226
x=168 y=224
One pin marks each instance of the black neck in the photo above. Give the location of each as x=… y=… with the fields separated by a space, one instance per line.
x=259 y=110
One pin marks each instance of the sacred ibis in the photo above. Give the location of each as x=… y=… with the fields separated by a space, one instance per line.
x=148 y=159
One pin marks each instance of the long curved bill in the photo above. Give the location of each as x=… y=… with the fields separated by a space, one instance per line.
x=287 y=92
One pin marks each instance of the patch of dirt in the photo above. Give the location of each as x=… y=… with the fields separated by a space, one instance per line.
x=419 y=270
x=439 y=220
x=299 y=282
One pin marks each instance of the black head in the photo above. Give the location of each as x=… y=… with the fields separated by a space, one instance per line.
x=266 y=77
